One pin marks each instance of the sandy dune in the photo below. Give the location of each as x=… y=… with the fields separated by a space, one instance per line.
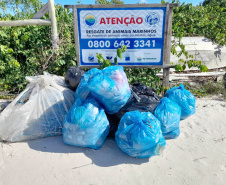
x=197 y=157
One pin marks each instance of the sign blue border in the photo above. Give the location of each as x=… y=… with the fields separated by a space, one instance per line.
x=159 y=43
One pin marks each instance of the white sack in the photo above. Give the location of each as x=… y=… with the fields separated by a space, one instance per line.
x=38 y=111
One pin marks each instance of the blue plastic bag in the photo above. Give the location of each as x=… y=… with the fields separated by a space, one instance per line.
x=86 y=124
x=168 y=113
x=173 y=134
x=82 y=90
x=184 y=98
x=110 y=88
x=139 y=135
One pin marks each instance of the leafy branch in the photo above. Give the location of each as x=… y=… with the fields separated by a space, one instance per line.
x=105 y=62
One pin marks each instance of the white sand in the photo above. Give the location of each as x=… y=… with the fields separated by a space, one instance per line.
x=198 y=156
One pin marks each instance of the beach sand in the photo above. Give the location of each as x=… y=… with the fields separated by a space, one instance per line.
x=196 y=157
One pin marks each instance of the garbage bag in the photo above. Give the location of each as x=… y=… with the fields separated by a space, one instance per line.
x=141 y=89
x=73 y=76
x=173 y=134
x=145 y=100
x=86 y=124
x=113 y=123
x=83 y=90
x=142 y=98
x=184 y=98
x=38 y=111
x=139 y=135
x=110 y=88
x=168 y=113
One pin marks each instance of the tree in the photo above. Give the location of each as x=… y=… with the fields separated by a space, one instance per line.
x=117 y=2
x=109 y=2
x=27 y=50
x=221 y=3
x=21 y=7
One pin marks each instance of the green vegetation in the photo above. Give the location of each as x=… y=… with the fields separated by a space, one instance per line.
x=208 y=21
x=221 y=3
x=109 y=2
x=105 y=63
x=208 y=88
x=27 y=50
x=146 y=76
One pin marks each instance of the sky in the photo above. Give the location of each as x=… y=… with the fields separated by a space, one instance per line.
x=71 y=2
x=74 y=2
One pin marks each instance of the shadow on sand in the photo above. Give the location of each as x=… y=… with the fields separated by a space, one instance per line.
x=108 y=155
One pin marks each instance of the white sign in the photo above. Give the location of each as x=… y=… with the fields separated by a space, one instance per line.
x=103 y=30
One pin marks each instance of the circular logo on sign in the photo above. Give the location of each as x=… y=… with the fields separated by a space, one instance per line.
x=152 y=19
x=90 y=20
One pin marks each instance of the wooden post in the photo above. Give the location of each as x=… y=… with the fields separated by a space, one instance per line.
x=167 y=45
x=75 y=20
x=54 y=35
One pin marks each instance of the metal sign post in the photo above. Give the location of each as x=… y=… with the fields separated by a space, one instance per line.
x=144 y=28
